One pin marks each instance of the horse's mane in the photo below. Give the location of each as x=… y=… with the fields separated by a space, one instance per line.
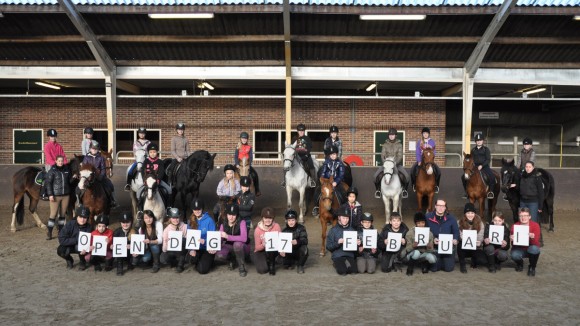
x=87 y=166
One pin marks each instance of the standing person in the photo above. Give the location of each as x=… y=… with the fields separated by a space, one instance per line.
x=235 y=241
x=471 y=221
x=52 y=149
x=366 y=260
x=246 y=201
x=343 y=261
x=95 y=159
x=299 y=253
x=303 y=146
x=124 y=231
x=527 y=154
x=245 y=151
x=68 y=238
x=481 y=157
x=531 y=191
x=353 y=206
x=419 y=254
x=153 y=231
x=388 y=257
x=265 y=261
x=179 y=150
x=140 y=144
x=175 y=224
x=87 y=140
x=424 y=143
x=58 y=189
x=333 y=140
x=200 y=220
x=392 y=147
x=442 y=222
x=496 y=253
x=332 y=168
x=533 y=250
x=228 y=189
x=102 y=229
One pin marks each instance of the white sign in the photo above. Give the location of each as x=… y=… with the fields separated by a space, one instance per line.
x=394 y=241
x=119 y=247
x=522 y=235
x=445 y=246
x=496 y=234
x=99 y=245
x=488 y=115
x=174 y=240
x=137 y=244
x=271 y=239
x=84 y=241
x=469 y=240
x=192 y=238
x=369 y=240
x=422 y=236
x=214 y=240
x=285 y=242
x=412 y=145
x=349 y=240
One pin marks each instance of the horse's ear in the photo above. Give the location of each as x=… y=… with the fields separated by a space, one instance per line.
x=286 y=144
x=213 y=156
x=111 y=152
x=463 y=153
x=322 y=179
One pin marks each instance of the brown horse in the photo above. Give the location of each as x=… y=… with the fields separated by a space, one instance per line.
x=93 y=193
x=108 y=156
x=328 y=204
x=425 y=183
x=477 y=189
x=223 y=202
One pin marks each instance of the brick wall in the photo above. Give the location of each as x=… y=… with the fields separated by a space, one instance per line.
x=215 y=123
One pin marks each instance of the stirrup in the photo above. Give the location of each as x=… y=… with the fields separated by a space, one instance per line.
x=490 y=195
x=311 y=183
x=378 y=194
x=505 y=198
x=436 y=189
x=315 y=211
x=127 y=188
x=405 y=194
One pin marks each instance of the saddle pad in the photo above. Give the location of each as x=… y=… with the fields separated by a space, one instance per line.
x=39 y=179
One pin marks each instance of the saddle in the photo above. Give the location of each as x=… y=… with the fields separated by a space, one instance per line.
x=485 y=179
x=171 y=171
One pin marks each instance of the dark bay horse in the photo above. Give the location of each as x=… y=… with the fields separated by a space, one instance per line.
x=477 y=189
x=509 y=175
x=93 y=193
x=425 y=182
x=23 y=183
x=328 y=205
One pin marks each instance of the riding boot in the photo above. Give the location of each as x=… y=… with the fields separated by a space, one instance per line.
x=180 y=263
x=272 y=268
x=69 y=262
x=519 y=266
x=43 y=195
x=49 y=227
x=113 y=200
x=108 y=265
x=378 y=185
x=437 y=179
x=155 y=268
x=462 y=266
x=464 y=182
x=255 y=181
x=533 y=263
x=413 y=176
x=316 y=209
x=312 y=180
x=497 y=264
x=491 y=263
x=82 y=263
x=410 y=267
x=425 y=267
x=119 y=267
x=241 y=266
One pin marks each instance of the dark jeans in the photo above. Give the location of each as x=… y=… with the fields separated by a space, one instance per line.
x=345 y=265
x=262 y=259
x=477 y=256
x=203 y=261
x=298 y=256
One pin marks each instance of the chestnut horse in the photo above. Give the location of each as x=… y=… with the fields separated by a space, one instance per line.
x=93 y=193
x=425 y=182
x=328 y=204
x=108 y=156
x=477 y=189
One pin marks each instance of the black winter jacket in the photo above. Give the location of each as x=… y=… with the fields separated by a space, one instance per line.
x=531 y=187
x=246 y=204
x=58 y=181
x=298 y=233
x=385 y=234
x=69 y=235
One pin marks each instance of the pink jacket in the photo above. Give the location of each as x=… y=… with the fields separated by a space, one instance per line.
x=181 y=227
x=51 y=151
x=259 y=244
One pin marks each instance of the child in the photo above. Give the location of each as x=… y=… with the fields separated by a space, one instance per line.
x=68 y=238
x=244 y=151
x=416 y=253
x=246 y=202
x=299 y=253
x=496 y=254
x=125 y=231
x=366 y=260
x=332 y=167
x=482 y=158
x=175 y=224
x=227 y=189
x=235 y=240
x=388 y=257
x=179 y=150
x=153 y=165
x=95 y=159
x=202 y=258
x=140 y=144
x=527 y=154
x=354 y=207
x=86 y=143
x=333 y=140
x=343 y=261
x=101 y=230
x=265 y=261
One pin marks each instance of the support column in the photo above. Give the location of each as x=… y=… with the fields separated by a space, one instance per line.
x=288 y=63
x=467 y=111
x=111 y=94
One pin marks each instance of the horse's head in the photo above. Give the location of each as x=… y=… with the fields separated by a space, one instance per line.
x=204 y=167
x=289 y=155
x=140 y=155
x=468 y=166
x=389 y=169
x=75 y=164
x=427 y=159
x=151 y=185
x=108 y=156
x=326 y=193
x=87 y=176
x=508 y=173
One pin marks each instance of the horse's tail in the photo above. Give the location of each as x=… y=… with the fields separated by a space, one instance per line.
x=20 y=211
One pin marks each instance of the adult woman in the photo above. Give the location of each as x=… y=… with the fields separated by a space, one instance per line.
x=424 y=143
x=392 y=147
x=531 y=191
x=58 y=189
x=202 y=258
x=179 y=150
x=471 y=221
x=153 y=231
x=68 y=238
x=140 y=144
x=533 y=250
x=442 y=222
x=235 y=241
x=265 y=261
x=175 y=224
x=496 y=253
x=52 y=149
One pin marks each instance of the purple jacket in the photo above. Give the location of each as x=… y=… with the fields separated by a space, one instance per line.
x=421 y=146
x=97 y=161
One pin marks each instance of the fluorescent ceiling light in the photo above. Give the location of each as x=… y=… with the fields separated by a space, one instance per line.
x=205 y=84
x=537 y=90
x=199 y=15
x=577 y=17
x=371 y=87
x=47 y=85
x=392 y=17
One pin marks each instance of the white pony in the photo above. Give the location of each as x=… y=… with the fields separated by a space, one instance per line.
x=391 y=189
x=296 y=178
x=153 y=200
x=137 y=181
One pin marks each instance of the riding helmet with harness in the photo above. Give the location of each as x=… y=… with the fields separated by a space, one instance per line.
x=232 y=210
x=152 y=147
x=83 y=211
x=245 y=181
x=51 y=133
x=426 y=129
x=196 y=204
x=89 y=131
x=479 y=137
x=229 y=167
x=291 y=214
x=301 y=127
x=333 y=129
x=173 y=212
x=180 y=126
x=367 y=217
x=142 y=130
x=392 y=131
x=527 y=141
x=244 y=135
x=352 y=190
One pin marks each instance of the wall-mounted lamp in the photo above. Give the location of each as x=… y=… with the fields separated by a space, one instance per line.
x=392 y=17
x=47 y=85
x=198 y=15
x=371 y=87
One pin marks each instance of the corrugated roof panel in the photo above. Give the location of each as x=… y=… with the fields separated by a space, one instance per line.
x=36 y=25
x=46 y=51
x=409 y=3
x=532 y=53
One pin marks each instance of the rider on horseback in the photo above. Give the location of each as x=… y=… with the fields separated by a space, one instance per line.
x=87 y=141
x=154 y=166
x=333 y=140
x=303 y=146
x=95 y=159
x=228 y=188
x=392 y=148
x=244 y=150
x=332 y=167
x=140 y=144
x=526 y=154
x=481 y=158
x=179 y=151
x=425 y=142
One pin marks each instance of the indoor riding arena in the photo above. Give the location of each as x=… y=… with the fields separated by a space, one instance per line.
x=507 y=71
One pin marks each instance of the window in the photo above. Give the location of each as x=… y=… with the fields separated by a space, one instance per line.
x=28 y=140
x=125 y=140
x=269 y=143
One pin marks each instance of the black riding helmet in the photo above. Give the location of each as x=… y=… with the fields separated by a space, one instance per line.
x=196 y=204
x=301 y=127
x=333 y=129
x=367 y=217
x=180 y=125
x=244 y=134
x=95 y=145
x=426 y=129
x=392 y=131
x=527 y=141
x=88 y=130
x=142 y=130
x=102 y=219
x=82 y=211
x=126 y=218
x=232 y=210
x=152 y=147
x=51 y=133
x=291 y=214
x=229 y=167
x=352 y=190
x=245 y=181
x=333 y=150
x=479 y=137
x=173 y=212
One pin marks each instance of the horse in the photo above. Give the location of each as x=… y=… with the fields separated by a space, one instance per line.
x=153 y=200
x=296 y=178
x=509 y=174
x=223 y=202
x=93 y=193
x=108 y=156
x=391 y=189
x=189 y=177
x=245 y=170
x=24 y=183
x=138 y=180
x=425 y=182
x=328 y=204
x=476 y=188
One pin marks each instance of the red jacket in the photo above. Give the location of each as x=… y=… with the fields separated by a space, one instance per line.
x=51 y=151
x=535 y=229
x=108 y=233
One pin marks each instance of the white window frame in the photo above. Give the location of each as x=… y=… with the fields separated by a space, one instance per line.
x=280 y=149
x=385 y=131
x=42 y=159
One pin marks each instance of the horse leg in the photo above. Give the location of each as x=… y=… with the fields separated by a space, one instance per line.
x=419 y=195
x=387 y=203
x=482 y=205
x=302 y=205
x=323 y=227
x=17 y=207
x=397 y=205
x=430 y=201
x=549 y=206
x=32 y=208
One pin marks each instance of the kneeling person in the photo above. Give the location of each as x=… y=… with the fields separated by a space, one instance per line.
x=343 y=261
x=419 y=254
x=299 y=243
x=68 y=238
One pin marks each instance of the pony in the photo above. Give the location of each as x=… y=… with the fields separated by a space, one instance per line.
x=93 y=193
x=328 y=204
x=188 y=178
x=138 y=180
x=476 y=188
x=153 y=200
x=425 y=182
x=108 y=156
x=296 y=178
x=245 y=170
x=24 y=183
x=391 y=189
x=510 y=173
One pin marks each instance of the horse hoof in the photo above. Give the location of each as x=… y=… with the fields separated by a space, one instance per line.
x=13 y=230
x=42 y=226
x=551 y=230
x=322 y=254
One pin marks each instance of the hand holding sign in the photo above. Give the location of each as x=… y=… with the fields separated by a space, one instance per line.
x=369 y=238
x=349 y=240
x=99 y=245
x=394 y=241
x=119 y=247
x=137 y=244
x=285 y=242
x=422 y=236
x=445 y=246
x=192 y=239
x=214 y=241
x=271 y=240
x=521 y=235
x=84 y=241
x=496 y=234
x=469 y=239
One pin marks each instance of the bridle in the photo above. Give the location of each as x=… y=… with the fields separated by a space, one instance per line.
x=469 y=167
x=291 y=160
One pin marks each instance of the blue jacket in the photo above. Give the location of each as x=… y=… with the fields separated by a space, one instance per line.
x=332 y=241
x=334 y=169
x=204 y=224
x=446 y=224
x=97 y=161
